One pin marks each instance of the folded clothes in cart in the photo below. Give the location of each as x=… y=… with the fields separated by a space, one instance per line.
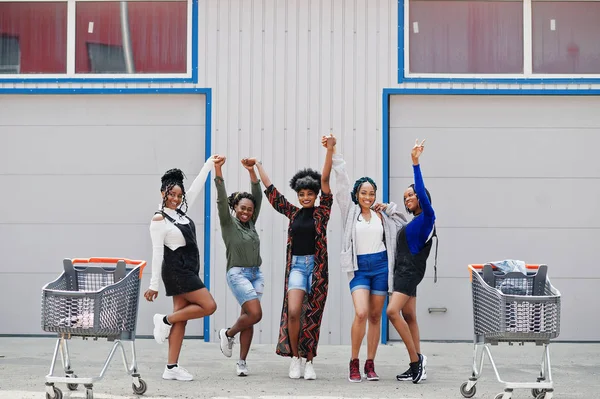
x=510 y=265
x=84 y=320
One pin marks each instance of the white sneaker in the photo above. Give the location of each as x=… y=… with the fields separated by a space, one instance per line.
x=177 y=373
x=161 y=330
x=241 y=368
x=309 y=371
x=226 y=343
x=295 y=368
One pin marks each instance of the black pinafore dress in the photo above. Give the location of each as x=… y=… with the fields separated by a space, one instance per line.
x=180 y=267
x=409 y=269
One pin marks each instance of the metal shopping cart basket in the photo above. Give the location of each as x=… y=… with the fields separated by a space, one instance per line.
x=513 y=307
x=92 y=298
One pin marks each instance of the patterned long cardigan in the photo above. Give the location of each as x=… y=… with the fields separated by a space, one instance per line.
x=314 y=303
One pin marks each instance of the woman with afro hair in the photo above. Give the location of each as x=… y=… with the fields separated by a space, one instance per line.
x=368 y=250
x=176 y=258
x=306 y=271
x=237 y=215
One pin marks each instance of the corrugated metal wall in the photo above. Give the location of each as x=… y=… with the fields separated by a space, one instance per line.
x=283 y=73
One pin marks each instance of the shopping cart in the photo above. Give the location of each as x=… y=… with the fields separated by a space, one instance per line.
x=513 y=307
x=92 y=298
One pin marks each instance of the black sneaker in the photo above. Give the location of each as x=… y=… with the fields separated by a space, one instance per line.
x=406 y=376
x=416 y=369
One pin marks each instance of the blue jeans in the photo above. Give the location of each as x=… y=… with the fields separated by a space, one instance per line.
x=372 y=274
x=246 y=283
x=301 y=273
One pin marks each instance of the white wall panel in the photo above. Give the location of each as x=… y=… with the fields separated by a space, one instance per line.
x=83 y=173
x=283 y=73
x=505 y=184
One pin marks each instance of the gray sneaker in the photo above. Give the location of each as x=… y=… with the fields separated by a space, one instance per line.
x=241 y=368
x=226 y=342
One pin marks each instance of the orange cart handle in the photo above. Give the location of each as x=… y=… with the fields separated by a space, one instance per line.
x=140 y=263
x=527 y=266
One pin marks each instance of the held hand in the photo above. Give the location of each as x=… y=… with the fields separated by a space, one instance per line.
x=249 y=163
x=219 y=160
x=329 y=142
x=417 y=151
x=379 y=207
x=150 y=295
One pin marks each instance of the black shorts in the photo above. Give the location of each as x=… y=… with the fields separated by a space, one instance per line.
x=406 y=279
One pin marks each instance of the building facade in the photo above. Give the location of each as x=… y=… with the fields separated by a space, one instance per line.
x=99 y=98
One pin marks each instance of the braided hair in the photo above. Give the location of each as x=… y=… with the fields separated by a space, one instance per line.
x=172 y=178
x=236 y=197
x=306 y=179
x=358 y=184
x=413 y=188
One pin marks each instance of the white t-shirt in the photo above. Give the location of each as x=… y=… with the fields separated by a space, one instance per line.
x=164 y=232
x=369 y=235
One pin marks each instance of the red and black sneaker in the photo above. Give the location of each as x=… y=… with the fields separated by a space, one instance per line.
x=354 y=375
x=370 y=371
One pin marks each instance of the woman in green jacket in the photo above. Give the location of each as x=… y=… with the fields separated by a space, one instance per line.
x=237 y=216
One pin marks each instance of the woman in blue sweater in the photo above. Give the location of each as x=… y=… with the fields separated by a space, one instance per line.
x=413 y=245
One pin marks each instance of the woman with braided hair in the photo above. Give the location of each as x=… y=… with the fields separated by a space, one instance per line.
x=306 y=271
x=368 y=248
x=175 y=257
x=412 y=250
x=237 y=215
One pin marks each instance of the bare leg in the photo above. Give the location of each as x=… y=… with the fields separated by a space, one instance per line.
x=373 y=334
x=360 y=297
x=410 y=315
x=200 y=304
x=295 y=299
x=251 y=314
x=245 y=341
x=397 y=303
x=177 y=331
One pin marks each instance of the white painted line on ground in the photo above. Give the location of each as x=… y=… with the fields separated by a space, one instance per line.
x=81 y=394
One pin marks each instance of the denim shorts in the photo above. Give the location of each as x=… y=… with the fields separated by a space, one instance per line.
x=372 y=274
x=246 y=283
x=301 y=273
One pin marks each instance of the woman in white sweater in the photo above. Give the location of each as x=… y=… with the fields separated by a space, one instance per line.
x=368 y=247
x=176 y=258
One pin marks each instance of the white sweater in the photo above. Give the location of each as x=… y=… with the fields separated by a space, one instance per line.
x=163 y=232
x=393 y=221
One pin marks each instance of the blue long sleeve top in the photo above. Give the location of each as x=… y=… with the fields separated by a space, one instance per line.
x=420 y=228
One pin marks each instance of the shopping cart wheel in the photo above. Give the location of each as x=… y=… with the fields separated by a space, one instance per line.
x=141 y=389
x=535 y=392
x=501 y=395
x=542 y=395
x=57 y=394
x=89 y=393
x=467 y=394
x=72 y=387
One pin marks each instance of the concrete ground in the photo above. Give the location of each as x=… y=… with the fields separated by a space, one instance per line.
x=24 y=363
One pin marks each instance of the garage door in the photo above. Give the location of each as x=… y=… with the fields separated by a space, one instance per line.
x=80 y=177
x=512 y=177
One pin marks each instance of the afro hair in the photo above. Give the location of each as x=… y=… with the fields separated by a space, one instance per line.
x=306 y=179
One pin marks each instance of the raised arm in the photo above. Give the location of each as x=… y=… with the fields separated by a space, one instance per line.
x=222 y=202
x=342 y=192
x=419 y=184
x=198 y=183
x=249 y=163
x=326 y=174
x=264 y=177
x=276 y=199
